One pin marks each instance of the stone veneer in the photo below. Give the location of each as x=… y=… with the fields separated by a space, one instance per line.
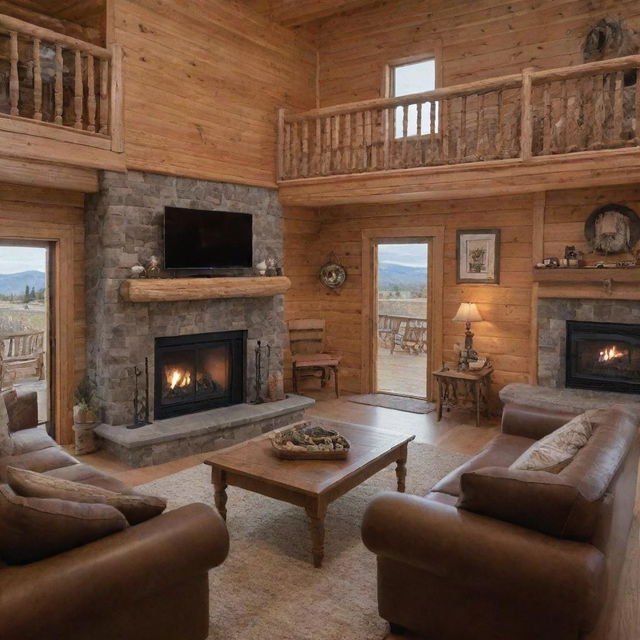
x=553 y=314
x=124 y=226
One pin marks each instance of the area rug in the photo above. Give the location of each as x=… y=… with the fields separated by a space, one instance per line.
x=400 y=403
x=268 y=588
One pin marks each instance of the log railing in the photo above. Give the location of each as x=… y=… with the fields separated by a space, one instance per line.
x=535 y=113
x=54 y=79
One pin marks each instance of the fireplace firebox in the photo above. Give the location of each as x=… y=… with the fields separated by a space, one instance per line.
x=603 y=356
x=198 y=372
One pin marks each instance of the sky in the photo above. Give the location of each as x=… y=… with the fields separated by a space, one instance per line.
x=18 y=259
x=407 y=255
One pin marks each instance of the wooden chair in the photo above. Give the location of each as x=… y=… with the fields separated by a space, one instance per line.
x=22 y=356
x=308 y=356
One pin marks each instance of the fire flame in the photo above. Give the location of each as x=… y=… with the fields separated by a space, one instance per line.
x=177 y=378
x=610 y=353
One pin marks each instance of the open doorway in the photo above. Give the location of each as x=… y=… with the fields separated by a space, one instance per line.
x=402 y=336
x=25 y=320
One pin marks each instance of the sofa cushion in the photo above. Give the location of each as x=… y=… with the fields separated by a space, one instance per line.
x=22 y=409
x=135 y=507
x=556 y=450
x=534 y=499
x=6 y=441
x=34 y=439
x=89 y=475
x=501 y=452
x=42 y=460
x=36 y=528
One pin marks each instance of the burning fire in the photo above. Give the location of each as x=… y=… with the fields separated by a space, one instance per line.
x=177 y=378
x=610 y=353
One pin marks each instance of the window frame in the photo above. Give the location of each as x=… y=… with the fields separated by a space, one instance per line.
x=388 y=83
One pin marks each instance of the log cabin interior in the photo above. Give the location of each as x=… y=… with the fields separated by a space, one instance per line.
x=383 y=254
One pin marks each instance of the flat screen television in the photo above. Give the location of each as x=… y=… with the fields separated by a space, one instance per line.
x=195 y=239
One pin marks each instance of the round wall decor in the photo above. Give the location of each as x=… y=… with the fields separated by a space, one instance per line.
x=612 y=228
x=333 y=275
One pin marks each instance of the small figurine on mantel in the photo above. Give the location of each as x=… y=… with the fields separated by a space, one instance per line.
x=153 y=268
x=138 y=271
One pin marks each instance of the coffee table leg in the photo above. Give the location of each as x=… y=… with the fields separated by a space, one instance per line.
x=316 y=515
x=401 y=472
x=219 y=479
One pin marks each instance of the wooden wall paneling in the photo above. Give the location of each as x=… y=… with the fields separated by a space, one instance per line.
x=435 y=235
x=55 y=216
x=203 y=82
x=478 y=36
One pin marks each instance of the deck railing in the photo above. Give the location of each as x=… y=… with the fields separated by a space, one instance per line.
x=534 y=113
x=51 y=78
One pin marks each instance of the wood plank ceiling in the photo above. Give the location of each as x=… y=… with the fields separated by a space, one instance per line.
x=293 y=13
x=89 y=13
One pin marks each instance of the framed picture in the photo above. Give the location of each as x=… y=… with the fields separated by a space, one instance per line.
x=478 y=256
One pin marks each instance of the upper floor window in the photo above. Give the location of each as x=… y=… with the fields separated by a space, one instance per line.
x=413 y=77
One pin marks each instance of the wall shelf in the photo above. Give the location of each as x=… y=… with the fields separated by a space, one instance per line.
x=177 y=289
x=586 y=275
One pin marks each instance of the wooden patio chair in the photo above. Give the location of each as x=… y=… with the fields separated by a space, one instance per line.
x=308 y=355
x=411 y=337
x=22 y=356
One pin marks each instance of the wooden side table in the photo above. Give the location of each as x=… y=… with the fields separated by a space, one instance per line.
x=464 y=389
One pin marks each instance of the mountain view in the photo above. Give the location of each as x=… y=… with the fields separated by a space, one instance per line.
x=15 y=283
x=403 y=277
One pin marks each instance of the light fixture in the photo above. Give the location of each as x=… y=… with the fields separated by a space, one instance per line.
x=467 y=313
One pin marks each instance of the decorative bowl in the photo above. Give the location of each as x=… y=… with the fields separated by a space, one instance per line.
x=309 y=441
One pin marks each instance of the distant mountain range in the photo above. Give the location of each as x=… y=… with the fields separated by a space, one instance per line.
x=392 y=275
x=16 y=282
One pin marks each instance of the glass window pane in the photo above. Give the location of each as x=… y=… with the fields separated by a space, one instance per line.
x=416 y=77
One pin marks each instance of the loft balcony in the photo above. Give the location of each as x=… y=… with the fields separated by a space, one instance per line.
x=560 y=128
x=60 y=107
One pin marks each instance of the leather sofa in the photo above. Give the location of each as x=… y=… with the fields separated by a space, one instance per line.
x=449 y=573
x=147 y=582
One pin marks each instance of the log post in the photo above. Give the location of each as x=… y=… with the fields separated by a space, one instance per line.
x=14 y=80
x=347 y=143
x=546 y=133
x=405 y=133
x=37 y=81
x=91 y=94
x=598 y=112
x=117 y=100
x=618 y=110
x=317 y=148
x=58 y=87
x=462 y=134
x=498 y=142
x=104 y=96
x=387 y=126
x=526 y=129
x=444 y=125
x=78 y=101
x=280 y=158
x=433 y=141
x=637 y=113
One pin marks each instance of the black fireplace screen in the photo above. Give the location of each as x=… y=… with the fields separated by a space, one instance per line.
x=604 y=356
x=198 y=372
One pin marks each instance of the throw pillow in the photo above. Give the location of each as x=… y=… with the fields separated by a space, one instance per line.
x=33 y=528
x=6 y=441
x=135 y=507
x=556 y=450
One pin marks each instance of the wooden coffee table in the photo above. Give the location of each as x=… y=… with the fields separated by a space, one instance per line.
x=311 y=484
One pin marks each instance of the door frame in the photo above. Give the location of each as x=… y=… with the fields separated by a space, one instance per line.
x=61 y=339
x=434 y=235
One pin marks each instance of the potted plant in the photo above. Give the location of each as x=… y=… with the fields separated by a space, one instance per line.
x=85 y=416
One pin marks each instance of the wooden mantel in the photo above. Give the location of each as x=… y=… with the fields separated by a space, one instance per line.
x=177 y=289
x=611 y=284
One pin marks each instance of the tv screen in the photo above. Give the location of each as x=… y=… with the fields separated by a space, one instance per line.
x=196 y=239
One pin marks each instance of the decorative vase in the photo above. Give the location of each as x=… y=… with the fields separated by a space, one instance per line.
x=84 y=423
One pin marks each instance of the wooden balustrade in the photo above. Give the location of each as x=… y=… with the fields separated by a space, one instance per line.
x=536 y=113
x=58 y=80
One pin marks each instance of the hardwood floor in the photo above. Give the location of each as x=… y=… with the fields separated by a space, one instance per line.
x=455 y=432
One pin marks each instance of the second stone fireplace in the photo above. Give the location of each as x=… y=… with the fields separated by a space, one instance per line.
x=197 y=372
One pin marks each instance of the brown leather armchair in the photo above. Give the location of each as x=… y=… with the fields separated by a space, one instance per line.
x=148 y=582
x=448 y=573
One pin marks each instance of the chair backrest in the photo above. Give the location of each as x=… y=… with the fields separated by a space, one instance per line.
x=306 y=336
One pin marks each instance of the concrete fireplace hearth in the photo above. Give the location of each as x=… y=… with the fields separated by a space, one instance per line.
x=124 y=226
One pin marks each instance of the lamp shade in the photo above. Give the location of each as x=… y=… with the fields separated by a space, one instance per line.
x=468 y=312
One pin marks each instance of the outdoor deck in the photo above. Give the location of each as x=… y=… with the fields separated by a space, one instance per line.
x=402 y=372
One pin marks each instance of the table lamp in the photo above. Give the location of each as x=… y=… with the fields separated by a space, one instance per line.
x=467 y=313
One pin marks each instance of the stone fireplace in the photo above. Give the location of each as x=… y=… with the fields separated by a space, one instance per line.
x=124 y=226
x=573 y=333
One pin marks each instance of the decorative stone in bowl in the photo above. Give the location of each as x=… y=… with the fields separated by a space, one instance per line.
x=309 y=441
